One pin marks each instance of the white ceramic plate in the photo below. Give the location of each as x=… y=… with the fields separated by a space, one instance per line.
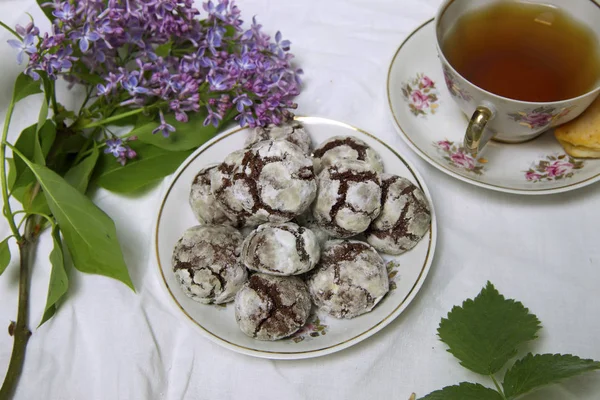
x=431 y=123
x=324 y=334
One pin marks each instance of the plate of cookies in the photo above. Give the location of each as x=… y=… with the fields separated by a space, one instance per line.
x=294 y=241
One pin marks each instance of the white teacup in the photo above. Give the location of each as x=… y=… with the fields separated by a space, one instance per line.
x=500 y=118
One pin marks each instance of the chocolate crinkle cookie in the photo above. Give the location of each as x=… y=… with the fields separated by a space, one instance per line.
x=204 y=205
x=308 y=221
x=292 y=131
x=206 y=263
x=404 y=219
x=273 y=181
x=340 y=148
x=272 y=307
x=350 y=279
x=348 y=198
x=281 y=249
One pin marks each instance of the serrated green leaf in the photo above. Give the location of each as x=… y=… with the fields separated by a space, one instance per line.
x=25 y=86
x=152 y=163
x=464 y=391
x=79 y=175
x=534 y=371
x=4 y=255
x=89 y=233
x=59 y=280
x=485 y=332
x=187 y=135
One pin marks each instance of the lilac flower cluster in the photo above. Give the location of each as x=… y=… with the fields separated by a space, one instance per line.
x=120 y=149
x=159 y=55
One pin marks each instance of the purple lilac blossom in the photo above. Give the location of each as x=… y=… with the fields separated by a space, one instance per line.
x=160 y=55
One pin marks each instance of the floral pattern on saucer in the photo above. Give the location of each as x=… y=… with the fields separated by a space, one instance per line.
x=457 y=157
x=453 y=87
x=421 y=95
x=540 y=117
x=553 y=168
x=313 y=329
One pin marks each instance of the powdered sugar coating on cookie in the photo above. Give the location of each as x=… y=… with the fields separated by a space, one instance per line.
x=340 y=148
x=292 y=131
x=405 y=217
x=271 y=182
x=348 y=198
x=232 y=196
x=204 y=205
x=272 y=307
x=350 y=280
x=281 y=249
x=307 y=220
x=206 y=263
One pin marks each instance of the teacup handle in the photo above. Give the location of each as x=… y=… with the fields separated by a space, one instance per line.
x=473 y=141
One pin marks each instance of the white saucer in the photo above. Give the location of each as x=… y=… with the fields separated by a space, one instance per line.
x=324 y=334
x=431 y=123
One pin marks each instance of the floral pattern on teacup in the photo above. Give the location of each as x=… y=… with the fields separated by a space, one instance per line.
x=540 y=117
x=421 y=95
x=457 y=157
x=553 y=168
x=453 y=87
x=392 y=270
x=313 y=329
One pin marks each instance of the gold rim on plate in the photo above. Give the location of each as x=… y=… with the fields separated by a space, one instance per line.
x=324 y=350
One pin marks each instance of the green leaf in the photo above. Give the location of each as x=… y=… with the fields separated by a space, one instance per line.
x=464 y=391
x=39 y=156
x=90 y=234
x=87 y=77
x=129 y=120
x=47 y=10
x=4 y=255
x=484 y=333
x=26 y=144
x=164 y=49
x=534 y=371
x=38 y=205
x=59 y=280
x=43 y=114
x=151 y=164
x=25 y=86
x=188 y=135
x=79 y=175
x=12 y=173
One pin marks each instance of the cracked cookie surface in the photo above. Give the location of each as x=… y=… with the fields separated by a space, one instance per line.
x=292 y=131
x=348 y=198
x=204 y=205
x=340 y=148
x=271 y=182
x=206 y=263
x=350 y=279
x=281 y=249
x=272 y=307
x=404 y=219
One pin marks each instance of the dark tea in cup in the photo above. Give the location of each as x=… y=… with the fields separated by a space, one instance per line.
x=524 y=51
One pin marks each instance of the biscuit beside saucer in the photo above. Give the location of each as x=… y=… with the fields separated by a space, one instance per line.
x=581 y=137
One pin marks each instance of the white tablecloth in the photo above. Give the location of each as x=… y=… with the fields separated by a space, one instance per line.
x=108 y=343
